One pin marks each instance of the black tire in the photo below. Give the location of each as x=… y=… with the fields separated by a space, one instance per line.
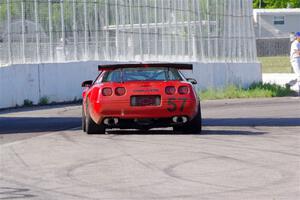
x=91 y=127
x=193 y=126
x=83 y=121
x=145 y=128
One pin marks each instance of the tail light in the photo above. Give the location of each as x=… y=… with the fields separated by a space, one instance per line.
x=170 y=90
x=107 y=91
x=120 y=91
x=183 y=90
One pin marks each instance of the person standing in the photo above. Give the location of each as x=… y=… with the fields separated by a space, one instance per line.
x=295 y=57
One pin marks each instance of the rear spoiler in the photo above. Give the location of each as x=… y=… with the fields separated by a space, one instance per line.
x=141 y=65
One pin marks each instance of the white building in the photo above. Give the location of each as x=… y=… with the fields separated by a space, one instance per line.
x=276 y=22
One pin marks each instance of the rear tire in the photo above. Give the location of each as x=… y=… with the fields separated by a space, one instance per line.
x=144 y=128
x=193 y=126
x=91 y=127
x=83 y=121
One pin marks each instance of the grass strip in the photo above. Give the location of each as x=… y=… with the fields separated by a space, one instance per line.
x=256 y=90
x=276 y=64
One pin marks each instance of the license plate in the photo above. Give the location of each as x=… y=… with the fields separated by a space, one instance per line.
x=147 y=100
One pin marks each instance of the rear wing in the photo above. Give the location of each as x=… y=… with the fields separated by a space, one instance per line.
x=141 y=65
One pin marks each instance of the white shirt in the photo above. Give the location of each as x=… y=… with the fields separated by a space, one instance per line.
x=294 y=49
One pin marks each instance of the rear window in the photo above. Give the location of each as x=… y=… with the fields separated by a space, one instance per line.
x=142 y=74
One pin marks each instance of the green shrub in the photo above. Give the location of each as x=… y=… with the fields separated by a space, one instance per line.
x=27 y=102
x=276 y=90
x=256 y=90
x=44 y=100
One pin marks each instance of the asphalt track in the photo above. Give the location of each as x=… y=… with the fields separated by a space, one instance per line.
x=249 y=149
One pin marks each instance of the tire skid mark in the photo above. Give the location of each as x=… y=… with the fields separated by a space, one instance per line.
x=15 y=193
x=195 y=145
x=170 y=169
x=83 y=183
x=251 y=148
x=182 y=143
x=22 y=161
x=44 y=190
x=170 y=172
x=264 y=150
x=68 y=138
x=166 y=171
x=37 y=182
x=285 y=178
x=68 y=172
x=121 y=148
x=146 y=165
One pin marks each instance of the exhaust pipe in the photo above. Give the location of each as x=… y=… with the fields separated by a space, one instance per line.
x=179 y=119
x=111 y=121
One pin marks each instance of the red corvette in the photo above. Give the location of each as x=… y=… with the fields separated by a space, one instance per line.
x=141 y=96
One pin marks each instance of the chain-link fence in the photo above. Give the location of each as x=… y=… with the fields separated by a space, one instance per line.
x=38 y=31
x=273 y=47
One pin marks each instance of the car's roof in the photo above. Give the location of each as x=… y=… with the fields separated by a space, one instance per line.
x=142 y=65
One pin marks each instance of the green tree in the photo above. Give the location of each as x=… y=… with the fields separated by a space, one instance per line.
x=256 y=3
x=276 y=3
x=295 y=3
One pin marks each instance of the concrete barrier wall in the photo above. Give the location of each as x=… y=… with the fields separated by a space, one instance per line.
x=220 y=75
x=61 y=82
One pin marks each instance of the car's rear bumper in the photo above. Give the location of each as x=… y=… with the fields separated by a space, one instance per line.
x=145 y=123
x=123 y=110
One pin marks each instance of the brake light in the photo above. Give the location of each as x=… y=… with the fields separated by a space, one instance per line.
x=107 y=91
x=183 y=90
x=120 y=91
x=170 y=90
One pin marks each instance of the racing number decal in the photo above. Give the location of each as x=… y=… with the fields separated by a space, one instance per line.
x=173 y=105
x=183 y=103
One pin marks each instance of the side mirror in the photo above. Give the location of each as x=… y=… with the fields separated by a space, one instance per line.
x=87 y=83
x=192 y=81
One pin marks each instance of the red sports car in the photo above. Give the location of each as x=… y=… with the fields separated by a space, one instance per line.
x=141 y=96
